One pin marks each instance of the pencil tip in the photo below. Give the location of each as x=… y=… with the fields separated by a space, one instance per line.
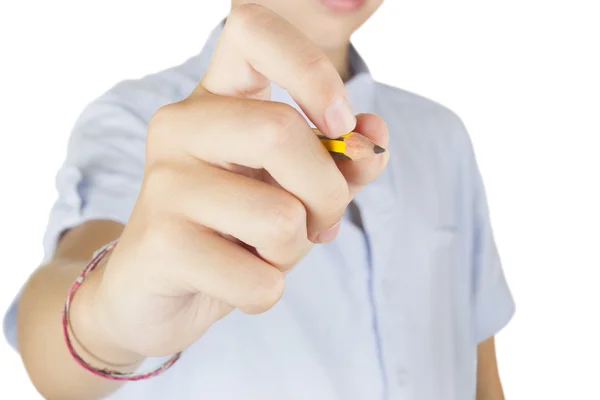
x=378 y=149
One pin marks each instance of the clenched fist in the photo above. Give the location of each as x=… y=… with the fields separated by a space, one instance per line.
x=236 y=191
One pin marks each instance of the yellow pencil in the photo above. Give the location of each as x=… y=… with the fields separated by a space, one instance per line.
x=351 y=146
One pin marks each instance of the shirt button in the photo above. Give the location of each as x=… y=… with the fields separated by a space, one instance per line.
x=401 y=376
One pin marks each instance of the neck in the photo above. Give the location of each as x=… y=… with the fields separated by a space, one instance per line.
x=340 y=58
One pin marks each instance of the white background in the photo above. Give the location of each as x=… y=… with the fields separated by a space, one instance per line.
x=523 y=74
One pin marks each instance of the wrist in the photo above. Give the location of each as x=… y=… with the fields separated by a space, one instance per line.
x=90 y=337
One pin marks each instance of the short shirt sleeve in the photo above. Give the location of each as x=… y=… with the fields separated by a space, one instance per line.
x=492 y=302
x=101 y=175
x=103 y=169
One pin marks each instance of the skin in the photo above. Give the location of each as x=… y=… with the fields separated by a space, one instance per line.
x=489 y=386
x=197 y=262
x=330 y=30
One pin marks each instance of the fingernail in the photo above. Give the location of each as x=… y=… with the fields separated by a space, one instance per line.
x=339 y=118
x=329 y=234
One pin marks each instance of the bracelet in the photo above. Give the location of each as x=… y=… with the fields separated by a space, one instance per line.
x=103 y=372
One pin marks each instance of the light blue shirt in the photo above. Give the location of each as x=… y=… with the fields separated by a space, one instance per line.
x=393 y=309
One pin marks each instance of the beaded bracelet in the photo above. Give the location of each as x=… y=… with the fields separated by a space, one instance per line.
x=103 y=372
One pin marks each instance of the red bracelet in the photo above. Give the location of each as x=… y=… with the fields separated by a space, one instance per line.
x=103 y=372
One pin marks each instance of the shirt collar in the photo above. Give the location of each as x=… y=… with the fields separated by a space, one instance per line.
x=359 y=86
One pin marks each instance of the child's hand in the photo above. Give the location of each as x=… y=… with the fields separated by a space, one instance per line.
x=236 y=190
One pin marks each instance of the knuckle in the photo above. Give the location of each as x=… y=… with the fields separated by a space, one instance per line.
x=161 y=124
x=168 y=132
x=245 y=16
x=158 y=235
x=156 y=177
x=161 y=120
x=317 y=61
x=287 y=222
x=317 y=67
x=160 y=186
x=279 y=125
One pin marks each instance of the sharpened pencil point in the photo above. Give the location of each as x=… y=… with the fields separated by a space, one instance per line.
x=378 y=149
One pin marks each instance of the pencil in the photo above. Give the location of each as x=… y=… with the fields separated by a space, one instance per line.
x=351 y=146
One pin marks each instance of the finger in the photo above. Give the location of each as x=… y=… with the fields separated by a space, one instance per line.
x=258 y=214
x=261 y=135
x=258 y=46
x=359 y=173
x=201 y=261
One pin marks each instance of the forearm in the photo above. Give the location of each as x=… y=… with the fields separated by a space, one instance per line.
x=487 y=392
x=40 y=337
x=39 y=322
x=489 y=386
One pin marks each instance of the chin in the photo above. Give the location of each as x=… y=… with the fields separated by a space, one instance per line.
x=328 y=23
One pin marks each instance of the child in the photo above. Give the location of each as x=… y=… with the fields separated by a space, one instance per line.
x=215 y=186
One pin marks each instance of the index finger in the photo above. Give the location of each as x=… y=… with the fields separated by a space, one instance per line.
x=258 y=46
